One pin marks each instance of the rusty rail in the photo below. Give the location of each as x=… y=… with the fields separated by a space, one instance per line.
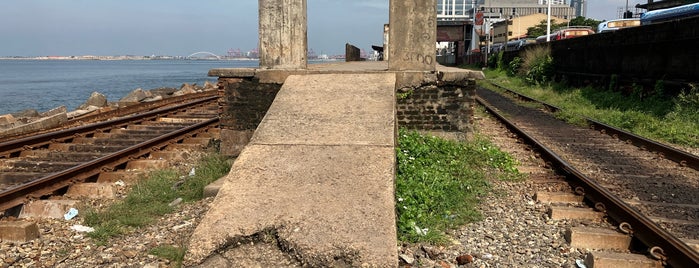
x=119 y=112
x=681 y=157
x=80 y=173
x=675 y=252
x=16 y=146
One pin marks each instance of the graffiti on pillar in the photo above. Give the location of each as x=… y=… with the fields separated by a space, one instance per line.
x=414 y=34
x=417 y=57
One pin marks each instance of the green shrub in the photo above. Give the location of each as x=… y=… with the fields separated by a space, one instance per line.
x=513 y=67
x=613 y=82
x=537 y=65
x=500 y=62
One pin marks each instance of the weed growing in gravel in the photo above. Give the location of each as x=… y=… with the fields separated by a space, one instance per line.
x=172 y=253
x=439 y=182
x=670 y=119
x=150 y=198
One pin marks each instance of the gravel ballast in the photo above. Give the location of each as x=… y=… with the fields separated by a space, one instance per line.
x=515 y=231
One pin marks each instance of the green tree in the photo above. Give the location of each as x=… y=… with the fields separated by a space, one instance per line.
x=582 y=21
x=540 y=29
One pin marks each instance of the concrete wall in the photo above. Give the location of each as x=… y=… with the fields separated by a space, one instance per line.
x=437 y=106
x=424 y=101
x=283 y=34
x=352 y=53
x=664 y=51
x=243 y=104
x=412 y=34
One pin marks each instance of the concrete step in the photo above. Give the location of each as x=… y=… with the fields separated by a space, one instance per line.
x=92 y=191
x=18 y=231
x=43 y=209
x=560 y=213
x=597 y=238
x=558 y=197
x=129 y=177
x=619 y=260
x=147 y=164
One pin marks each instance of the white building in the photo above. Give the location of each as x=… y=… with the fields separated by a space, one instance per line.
x=455 y=9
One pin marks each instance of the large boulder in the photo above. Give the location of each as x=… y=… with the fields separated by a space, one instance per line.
x=82 y=111
x=7 y=120
x=152 y=99
x=134 y=96
x=96 y=99
x=185 y=89
x=164 y=92
x=208 y=86
x=28 y=113
x=58 y=110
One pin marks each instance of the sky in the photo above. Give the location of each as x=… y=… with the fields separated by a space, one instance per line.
x=183 y=27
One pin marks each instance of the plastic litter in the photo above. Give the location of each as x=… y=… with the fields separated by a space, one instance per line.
x=82 y=229
x=175 y=202
x=72 y=212
x=192 y=172
x=580 y=263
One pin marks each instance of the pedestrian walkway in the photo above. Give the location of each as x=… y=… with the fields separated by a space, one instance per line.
x=317 y=176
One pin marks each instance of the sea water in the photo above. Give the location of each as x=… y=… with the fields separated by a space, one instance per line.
x=46 y=84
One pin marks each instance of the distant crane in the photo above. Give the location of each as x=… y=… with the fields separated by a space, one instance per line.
x=312 y=54
x=235 y=53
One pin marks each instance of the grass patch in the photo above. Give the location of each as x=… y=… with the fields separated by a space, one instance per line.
x=439 y=183
x=150 y=198
x=172 y=253
x=672 y=119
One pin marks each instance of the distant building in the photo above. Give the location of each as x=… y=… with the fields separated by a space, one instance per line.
x=463 y=10
x=580 y=7
x=460 y=10
x=516 y=28
x=518 y=8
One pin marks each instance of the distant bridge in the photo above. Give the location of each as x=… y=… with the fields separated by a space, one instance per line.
x=204 y=53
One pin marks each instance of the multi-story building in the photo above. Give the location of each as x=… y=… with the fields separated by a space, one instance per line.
x=463 y=9
x=455 y=9
x=580 y=7
x=516 y=28
x=516 y=8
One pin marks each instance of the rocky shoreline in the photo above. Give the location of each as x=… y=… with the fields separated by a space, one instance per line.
x=32 y=120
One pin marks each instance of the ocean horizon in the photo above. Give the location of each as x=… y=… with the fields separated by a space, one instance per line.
x=46 y=84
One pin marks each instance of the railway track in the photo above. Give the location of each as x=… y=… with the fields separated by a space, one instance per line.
x=39 y=166
x=647 y=188
x=120 y=112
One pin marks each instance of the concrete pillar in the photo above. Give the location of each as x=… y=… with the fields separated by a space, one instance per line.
x=386 y=53
x=283 y=34
x=413 y=35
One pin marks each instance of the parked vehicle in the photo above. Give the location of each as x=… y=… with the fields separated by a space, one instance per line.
x=672 y=13
x=566 y=33
x=613 y=25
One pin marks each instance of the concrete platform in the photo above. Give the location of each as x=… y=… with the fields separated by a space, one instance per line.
x=403 y=77
x=317 y=176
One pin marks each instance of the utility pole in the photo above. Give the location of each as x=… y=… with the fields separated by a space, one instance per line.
x=548 y=22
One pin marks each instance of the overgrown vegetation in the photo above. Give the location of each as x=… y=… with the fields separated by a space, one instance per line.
x=439 y=182
x=650 y=113
x=537 y=65
x=150 y=198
